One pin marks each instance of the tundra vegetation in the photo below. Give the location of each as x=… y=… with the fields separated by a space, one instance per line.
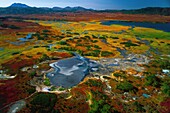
x=121 y=90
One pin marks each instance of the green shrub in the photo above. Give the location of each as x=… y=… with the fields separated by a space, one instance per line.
x=80 y=52
x=94 y=41
x=61 y=89
x=94 y=53
x=62 y=43
x=152 y=80
x=97 y=47
x=87 y=37
x=79 y=40
x=61 y=36
x=94 y=83
x=39 y=37
x=129 y=44
x=166 y=88
x=15 y=53
x=53 y=88
x=76 y=34
x=36 y=46
x=114 y=37
x=102 y=37
x=31 y=90
x=44 y=57
x=94 y=36
x=138 y=107
x=46 y=31
x=47 y=82
x=99 y=107
x=43 y=103
x=32 y=74
x=117 y=74
x=79 y=44
x=68 y=48
x=125 y=86
x=14 y=27
x=88 y=47
x=49 y=41
x=106 y=53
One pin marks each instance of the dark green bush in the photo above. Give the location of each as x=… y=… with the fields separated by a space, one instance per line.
x=128 y=44
x=106 y=53
x=43 y=103
x=152 y=80
x=62 y=43
x=15 y=53
x=125 y=86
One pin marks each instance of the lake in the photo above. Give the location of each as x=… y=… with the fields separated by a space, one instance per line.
x=70 y=72
x=159 y=26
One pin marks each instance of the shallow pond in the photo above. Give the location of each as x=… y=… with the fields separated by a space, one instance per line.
x=70 y=72
x=1 y=48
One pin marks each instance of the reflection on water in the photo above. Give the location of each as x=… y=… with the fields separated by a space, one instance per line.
x=69 y=72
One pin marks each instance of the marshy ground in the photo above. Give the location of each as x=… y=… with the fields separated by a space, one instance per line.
x=131 y=78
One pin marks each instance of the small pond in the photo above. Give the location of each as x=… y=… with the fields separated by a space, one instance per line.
x=29 y=36
x=1 y=48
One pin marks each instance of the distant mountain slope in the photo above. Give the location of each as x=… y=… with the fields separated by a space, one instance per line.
x=148 y=10
x=19 y=5
x=75 y=8
x=152 y=10
x=18 y=8
x=56 y=8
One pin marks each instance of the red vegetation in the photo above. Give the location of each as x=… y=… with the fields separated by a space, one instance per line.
x=165 y=106
x=22 y=26
x=15 y=64
x=60 y=54
x=8 y=92
x=89 y=16
x=73 y=105
x=14 y=89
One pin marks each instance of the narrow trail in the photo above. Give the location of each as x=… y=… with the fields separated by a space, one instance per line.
x=17 y=101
